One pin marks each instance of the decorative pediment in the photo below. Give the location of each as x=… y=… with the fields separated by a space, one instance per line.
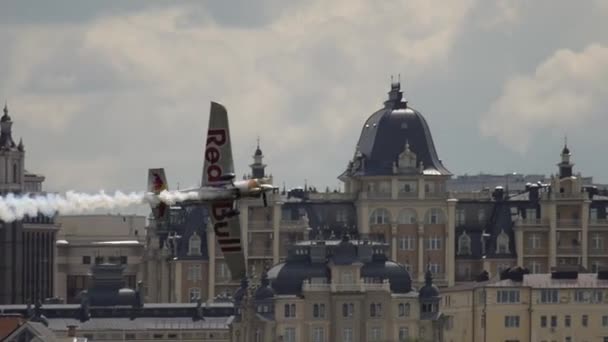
x=406 y=160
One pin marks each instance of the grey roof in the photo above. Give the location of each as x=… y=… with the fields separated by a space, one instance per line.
x=286 y=278
x=37 y=329
x=145 y=323
x=385 y=134
x=544 y=280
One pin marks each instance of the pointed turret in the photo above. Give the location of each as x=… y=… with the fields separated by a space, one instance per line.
x=20 y=147
x=258 y=167
x=565 y=166
x=6 y=124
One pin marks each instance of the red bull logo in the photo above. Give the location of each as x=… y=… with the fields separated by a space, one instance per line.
x=215 y=139
x=157 y=184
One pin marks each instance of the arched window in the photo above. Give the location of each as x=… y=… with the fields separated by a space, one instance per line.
x=435 y=216
x=407 y=216
x=380 y=216
x=14 y=173
x=502 y=243
x=194 y=245
x=464 y=244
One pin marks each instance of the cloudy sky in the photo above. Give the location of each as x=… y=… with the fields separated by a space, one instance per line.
x=101 y=91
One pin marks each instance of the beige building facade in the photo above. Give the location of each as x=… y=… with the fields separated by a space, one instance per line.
x=87 y=240
x=544 y=307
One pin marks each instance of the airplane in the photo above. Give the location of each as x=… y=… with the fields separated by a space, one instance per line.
x=218 y=190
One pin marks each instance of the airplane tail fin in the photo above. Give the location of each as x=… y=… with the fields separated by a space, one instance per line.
x=157 y=183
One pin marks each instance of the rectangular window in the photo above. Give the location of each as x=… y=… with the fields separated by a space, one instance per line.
x=318 y=334
x=585 y=320
x=567 y=321
x=194 y=294
x=375 y=334
x=407 y=243
x=290 y=335
x=511 y=321
x=543 y=321
x=375 y=310
x=507 y=296
x=98 y=260
x=553 y=321
x=460 y=216
x=530 y=214
x=289 y=310
x=433 y=243
x=593 y=215
x=348 y=309
x=348 y=277
x=404 y=333
x=318 y=310
x=347 y=335
x=548 y=296
x=86 y=260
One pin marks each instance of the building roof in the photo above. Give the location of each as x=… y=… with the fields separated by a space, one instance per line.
x=386 y=132
x=545 y=280
x=309 y=260
x=144 y=323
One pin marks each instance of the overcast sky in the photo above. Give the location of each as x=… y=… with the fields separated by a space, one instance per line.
x=101 y=91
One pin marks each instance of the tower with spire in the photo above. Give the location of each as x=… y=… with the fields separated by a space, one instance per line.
x=12 y=157
x=565 y=166
x=258 y=167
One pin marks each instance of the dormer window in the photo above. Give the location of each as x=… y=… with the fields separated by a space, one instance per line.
x=407 y=158
x=464 y=244
x=502 y=243
x=194 y=245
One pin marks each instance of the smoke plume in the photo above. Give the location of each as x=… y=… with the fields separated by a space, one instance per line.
x=16 y=207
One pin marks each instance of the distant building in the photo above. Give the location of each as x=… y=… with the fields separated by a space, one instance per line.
x=564 y=305
x=27 y=255
x=107 y=311
x=86 y=240
x=337 y=290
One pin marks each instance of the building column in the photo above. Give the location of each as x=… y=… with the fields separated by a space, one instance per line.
x=519 y=244
x=421 y=192
x=421 y=268
x=585 y=233
x=394 y=241
x=450 y=255
x=394 y=188
x=552 y=235
x=276 y=226
x=212 y=258
x=164 y=275
x=363 y=224
x=244 y=221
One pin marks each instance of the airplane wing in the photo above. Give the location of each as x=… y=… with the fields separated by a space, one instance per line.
x=157 y=182
x=218 y=164
x=218 y=149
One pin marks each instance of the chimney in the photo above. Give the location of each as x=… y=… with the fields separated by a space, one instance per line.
x=71 y=331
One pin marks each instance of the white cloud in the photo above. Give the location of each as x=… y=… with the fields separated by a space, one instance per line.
x=304 y=82
x=567 y=92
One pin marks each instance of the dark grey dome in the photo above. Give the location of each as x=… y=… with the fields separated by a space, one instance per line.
x=287 y=277
x=566 y=150
x=398 y=276
x=429 y=290
x=258 y=151
x=386 y=132
x=241 y=291
x=264 y=291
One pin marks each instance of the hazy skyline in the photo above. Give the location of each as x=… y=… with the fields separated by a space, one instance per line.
x=101 y=91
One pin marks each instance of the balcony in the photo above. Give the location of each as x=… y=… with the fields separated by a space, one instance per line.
x=407 y=195
x=599 y=223
x=260 y=225
x=260 y=252
x=331 y=196
x=315 y=287
x=436 y=195
x=379 y=195
x=532 y=222
x=361 y=287
x=569 y=250
x=569 y=223
x=294 y=225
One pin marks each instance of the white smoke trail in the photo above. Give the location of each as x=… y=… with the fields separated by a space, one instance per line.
x=15 y=207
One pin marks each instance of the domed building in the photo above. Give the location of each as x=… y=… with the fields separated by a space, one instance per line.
x=398 y=183
x=335 y=290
